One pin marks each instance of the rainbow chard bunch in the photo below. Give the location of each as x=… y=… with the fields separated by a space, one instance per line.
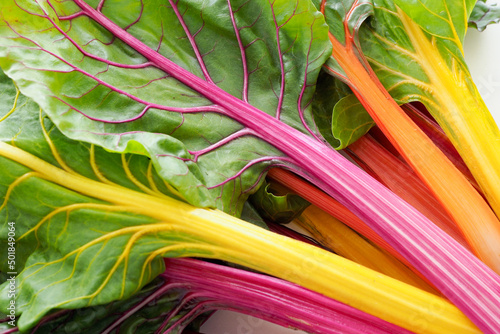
x=136 y=130
x=181 y=298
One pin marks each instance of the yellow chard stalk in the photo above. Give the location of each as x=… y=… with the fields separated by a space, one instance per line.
x=461 y=112
x=180 y=229
x=335 y=235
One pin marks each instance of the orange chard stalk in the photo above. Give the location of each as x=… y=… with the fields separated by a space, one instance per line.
x=401 y=179
x=335 y=235
x=462 y=202
x=432 y=129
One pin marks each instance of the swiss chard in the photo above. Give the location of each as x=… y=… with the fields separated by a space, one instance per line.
x=340 y=117
x=333 y=234
x=214 y=93
x=398 y=177
x=93 y=227
x=413 y=61
x=267 y=298
x=189 y=288
x=419 y=115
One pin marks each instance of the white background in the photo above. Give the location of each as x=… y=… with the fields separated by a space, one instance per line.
x=482 y=52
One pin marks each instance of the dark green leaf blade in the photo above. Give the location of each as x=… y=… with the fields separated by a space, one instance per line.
x=280 y=209
x=350 y=121
x=99 y=89
x=72 y=250
x=484 y=14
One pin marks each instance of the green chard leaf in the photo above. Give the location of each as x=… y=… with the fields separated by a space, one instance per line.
x=103 y=89
x=345 y=16
x=389 y=44
x=75 y=250
x=350 y=13
x=276 y=208
x=483 y=14
x=183 y=83
x=251 y=215
x=386 y=45
x=340 y=117
x=66 y=240
x=350 y=121
x=92 y=228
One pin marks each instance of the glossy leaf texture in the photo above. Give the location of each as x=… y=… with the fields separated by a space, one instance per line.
x=84 y=240
x=483 y=14
x=340 y=117
x=387 y=45
x=119 y=94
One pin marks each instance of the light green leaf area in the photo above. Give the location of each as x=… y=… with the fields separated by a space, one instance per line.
x=10 y=96
x=75 y=250
x=445 y=19
x=350 y=121
x=340 y=116
x=415 y=48
x=483 y=14
x=98 y=89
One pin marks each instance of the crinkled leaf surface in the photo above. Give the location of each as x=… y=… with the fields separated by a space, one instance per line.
x=416 y=50
x=399 y=62
x=73 y=250
x=483 y=14
x=121 y=94
x=22 y=26
x=389 y=45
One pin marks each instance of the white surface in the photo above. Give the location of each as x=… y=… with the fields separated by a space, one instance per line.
x=482 y=52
